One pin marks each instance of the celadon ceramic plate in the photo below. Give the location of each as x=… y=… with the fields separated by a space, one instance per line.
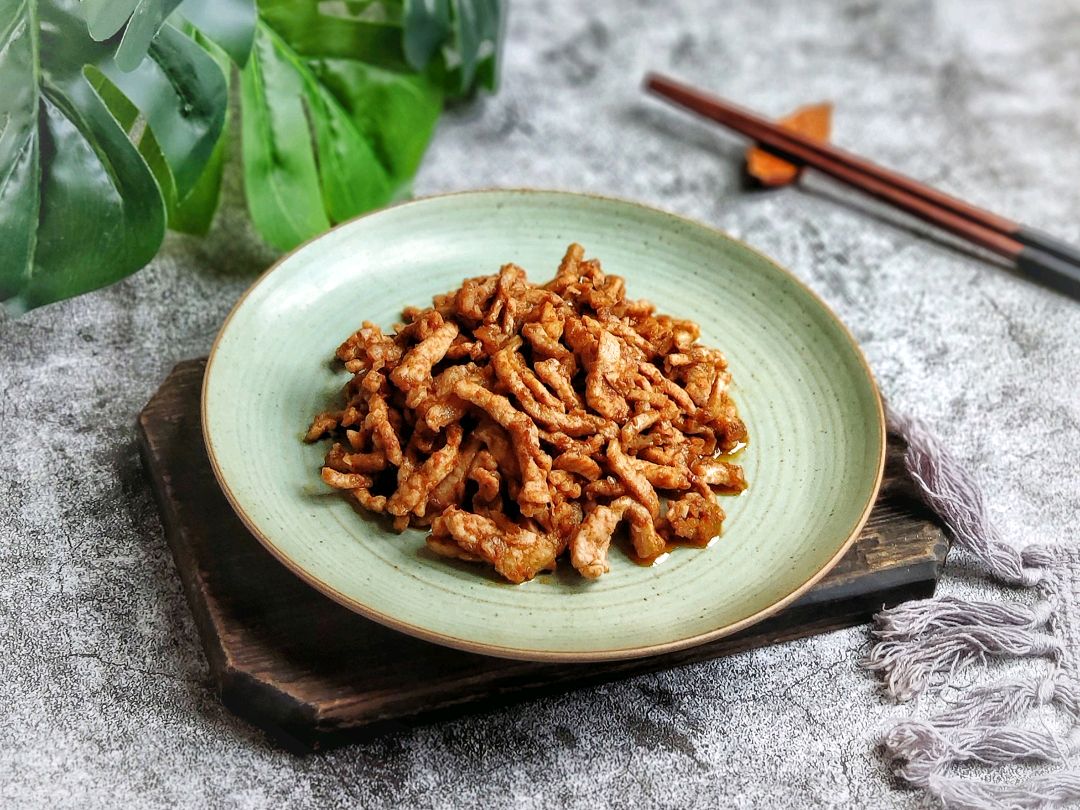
x=814 y=461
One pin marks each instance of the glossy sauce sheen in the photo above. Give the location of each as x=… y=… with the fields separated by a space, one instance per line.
x=671 y=544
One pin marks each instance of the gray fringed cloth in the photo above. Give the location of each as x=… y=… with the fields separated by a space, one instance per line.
x=920 y=645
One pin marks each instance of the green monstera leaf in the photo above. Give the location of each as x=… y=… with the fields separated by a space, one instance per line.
x=193 y=211
x=334 y=122
x=225 y=29
x=461 y=38
x=79 y=208
x=340 y=99
x=104 y=18
x=230 y=24
x=113 y=120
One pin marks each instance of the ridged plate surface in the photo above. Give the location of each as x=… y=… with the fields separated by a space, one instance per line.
x=814 y=461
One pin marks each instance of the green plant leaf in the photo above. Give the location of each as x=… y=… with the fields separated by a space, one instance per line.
x=326 y=137
x=229 y=24
x=78 y=207
x=20 y=146
x=385 y=12
x=455 y=40
x=195 y=211
x=281 y=179
x=106 y=17
x=314 y=31
x=144 y=19
x=394 y=112
x=428 y=24
x=183 y=94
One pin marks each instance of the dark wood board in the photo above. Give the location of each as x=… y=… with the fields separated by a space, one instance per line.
x=312 y=673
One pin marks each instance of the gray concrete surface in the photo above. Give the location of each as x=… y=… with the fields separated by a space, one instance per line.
x=104 y=697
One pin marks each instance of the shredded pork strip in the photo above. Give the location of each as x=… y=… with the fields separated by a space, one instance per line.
x=522 y=421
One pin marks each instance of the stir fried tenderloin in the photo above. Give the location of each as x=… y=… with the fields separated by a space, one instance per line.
x=521 y=421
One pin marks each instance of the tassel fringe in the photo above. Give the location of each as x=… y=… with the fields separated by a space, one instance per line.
x=919 y=645
x=1050 y=790
x=954 y=496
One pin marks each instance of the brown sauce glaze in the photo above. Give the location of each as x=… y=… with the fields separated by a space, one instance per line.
x=672 y=543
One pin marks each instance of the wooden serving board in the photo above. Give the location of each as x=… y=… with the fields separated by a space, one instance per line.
x=312 y=673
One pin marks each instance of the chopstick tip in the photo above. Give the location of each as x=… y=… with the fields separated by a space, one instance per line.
x=664 y=86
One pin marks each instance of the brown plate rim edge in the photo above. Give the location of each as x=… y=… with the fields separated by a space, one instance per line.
x=514 y=652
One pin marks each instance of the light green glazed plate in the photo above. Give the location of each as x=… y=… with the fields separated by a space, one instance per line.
x=814 y=461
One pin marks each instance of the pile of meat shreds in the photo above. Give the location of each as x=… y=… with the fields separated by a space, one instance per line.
x=520 y=420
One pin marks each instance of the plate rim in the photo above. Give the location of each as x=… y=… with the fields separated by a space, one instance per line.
x=517 y=653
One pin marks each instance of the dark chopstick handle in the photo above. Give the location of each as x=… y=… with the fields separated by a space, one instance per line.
x=1047 y=243
x=1042 y=256
x=1050 y=270
x=738 y=118
x=783 y=144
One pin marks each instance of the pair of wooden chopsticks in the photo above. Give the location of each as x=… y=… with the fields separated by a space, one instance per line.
x=1040 y=256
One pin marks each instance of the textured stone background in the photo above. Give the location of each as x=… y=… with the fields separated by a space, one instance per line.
x=104 y=697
